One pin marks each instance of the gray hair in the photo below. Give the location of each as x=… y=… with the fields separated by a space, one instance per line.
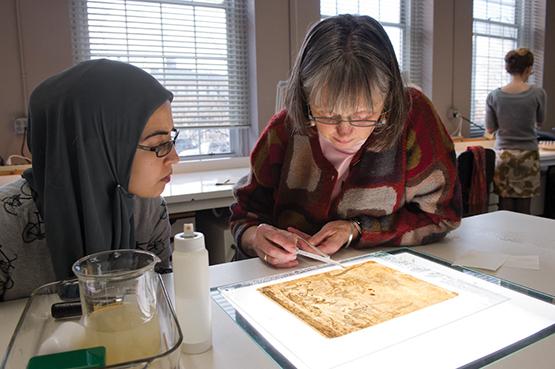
x=345 y=60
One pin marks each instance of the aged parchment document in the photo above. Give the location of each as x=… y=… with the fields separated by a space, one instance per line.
x=339 y=302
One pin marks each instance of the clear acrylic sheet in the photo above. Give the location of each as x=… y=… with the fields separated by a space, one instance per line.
x=36 y=325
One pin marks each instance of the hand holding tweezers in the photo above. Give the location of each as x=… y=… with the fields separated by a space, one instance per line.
x=318 y=255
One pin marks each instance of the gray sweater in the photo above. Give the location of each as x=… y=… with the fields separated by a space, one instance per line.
x=514 y=117
x=25 y=261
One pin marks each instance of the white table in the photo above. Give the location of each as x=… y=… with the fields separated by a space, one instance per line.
x=547 y=158
x=202 y=190
x=502 y=231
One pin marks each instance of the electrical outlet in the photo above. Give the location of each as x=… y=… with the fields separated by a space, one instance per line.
x=453 y=113
x=20 y=124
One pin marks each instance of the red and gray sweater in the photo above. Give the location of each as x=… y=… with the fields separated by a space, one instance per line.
x=406 y=195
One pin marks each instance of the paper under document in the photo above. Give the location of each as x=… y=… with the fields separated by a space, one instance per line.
x=480 y=259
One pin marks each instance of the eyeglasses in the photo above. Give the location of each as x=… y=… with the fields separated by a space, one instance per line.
x=354 y=122
x=165 y=147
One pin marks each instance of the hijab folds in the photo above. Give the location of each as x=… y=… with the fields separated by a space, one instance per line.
x=84 y=127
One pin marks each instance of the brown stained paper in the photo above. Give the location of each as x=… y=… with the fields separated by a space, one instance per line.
x=340 y=302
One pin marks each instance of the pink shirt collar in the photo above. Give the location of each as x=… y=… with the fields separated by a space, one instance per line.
x=339 y=159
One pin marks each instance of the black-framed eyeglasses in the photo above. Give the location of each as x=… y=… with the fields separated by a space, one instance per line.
x=334 y=121
x=165 y=147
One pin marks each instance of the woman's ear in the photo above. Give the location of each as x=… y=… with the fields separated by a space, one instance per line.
x=528 y=72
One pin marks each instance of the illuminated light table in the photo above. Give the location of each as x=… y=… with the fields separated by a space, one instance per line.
x=478 y=320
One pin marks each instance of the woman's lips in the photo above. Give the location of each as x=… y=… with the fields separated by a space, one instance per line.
x=167 y=178
x=343 y=141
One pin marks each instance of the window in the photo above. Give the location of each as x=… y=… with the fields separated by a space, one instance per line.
x=500 y=26
x=196 y=49
x=401 y=19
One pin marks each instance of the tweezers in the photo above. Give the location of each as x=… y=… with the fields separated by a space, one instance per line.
x=318 y=255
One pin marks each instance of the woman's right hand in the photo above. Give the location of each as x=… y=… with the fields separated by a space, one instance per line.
x=274 y=246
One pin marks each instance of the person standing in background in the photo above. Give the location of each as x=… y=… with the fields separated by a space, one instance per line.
x=513 y=112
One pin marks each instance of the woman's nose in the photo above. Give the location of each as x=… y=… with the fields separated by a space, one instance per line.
x=172 y=157
x=344 y=128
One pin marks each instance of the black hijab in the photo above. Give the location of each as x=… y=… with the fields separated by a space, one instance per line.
x=84 y=127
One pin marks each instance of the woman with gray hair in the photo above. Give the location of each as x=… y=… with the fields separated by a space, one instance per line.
x=355 y=158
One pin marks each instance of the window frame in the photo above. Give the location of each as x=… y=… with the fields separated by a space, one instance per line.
x=235 y=78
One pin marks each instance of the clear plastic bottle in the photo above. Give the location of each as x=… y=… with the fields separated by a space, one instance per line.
x=192 y=297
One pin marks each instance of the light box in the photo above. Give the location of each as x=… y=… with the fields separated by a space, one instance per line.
x=487 y=319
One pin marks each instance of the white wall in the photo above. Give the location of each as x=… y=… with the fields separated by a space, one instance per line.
x=46 y=49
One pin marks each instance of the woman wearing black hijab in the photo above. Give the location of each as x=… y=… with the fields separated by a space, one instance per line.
x=102 y=138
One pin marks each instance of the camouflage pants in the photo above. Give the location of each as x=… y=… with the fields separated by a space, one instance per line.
x=517 y=173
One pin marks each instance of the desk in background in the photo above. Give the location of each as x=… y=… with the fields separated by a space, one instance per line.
x=195 y=197
x=204 y=190
x=547 y=159
x=196 y=188
x=502 y=231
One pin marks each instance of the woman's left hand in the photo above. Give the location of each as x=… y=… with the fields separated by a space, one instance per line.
x=332 y=236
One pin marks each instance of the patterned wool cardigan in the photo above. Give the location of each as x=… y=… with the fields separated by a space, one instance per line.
x=406 y=195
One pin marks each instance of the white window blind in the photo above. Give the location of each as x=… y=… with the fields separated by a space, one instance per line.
x=196 y=49
x=500 y=26
x=401 y=19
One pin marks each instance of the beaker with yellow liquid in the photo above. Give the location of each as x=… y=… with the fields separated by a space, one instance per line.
x=118 y=292
x=123 y=332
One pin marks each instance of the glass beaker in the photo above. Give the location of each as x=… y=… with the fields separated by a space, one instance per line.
x=118 y=291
